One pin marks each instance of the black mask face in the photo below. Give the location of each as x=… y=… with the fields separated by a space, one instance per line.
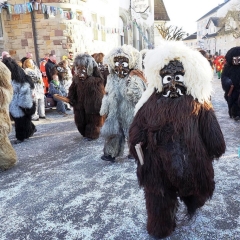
x=121 y=66
x=173 y=79
x=236 y=60
x=81 y=72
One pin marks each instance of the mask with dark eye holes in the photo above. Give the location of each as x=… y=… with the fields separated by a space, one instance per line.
x=81 y=72
x=121 y=66
x=173 y=79
x=236 y=60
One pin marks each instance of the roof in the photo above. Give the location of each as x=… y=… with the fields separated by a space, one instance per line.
x=208 y=36
x=160 y=13
x=216 y=21
x=191 y=37
x=213 y=10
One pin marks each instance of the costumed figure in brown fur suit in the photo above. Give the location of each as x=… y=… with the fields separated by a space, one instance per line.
x=22 y=106
x=8 y=155
x=175 y=135
x=230 y=79
x=125 y=85
x=85 y=94
x=102 y=67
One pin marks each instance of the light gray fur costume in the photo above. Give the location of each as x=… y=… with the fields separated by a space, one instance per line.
x=118 y=103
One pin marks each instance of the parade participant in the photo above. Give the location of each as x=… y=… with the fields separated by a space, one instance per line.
x=219 y=62
x=125 y=85
x=85 y=94
x=22 y=106
x=8 y=155
x=175 y=135
x=231 y=82
x=102 y=67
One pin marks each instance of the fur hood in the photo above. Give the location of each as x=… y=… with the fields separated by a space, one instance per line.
x=87 y=61
x=133 y=55
x=198 y=72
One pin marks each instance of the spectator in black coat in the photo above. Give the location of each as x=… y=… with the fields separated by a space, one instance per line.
x=49 y=65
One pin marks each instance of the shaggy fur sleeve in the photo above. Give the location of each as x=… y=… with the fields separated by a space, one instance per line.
x=25 y=99
x=134 y=88
x=72 y=93
x=109 y=88
x=211 y=133
x=137 y=134
x=94 y=91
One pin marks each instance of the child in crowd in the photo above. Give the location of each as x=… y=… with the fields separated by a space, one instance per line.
x=55 y=87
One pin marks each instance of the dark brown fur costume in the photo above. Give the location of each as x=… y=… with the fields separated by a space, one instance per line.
x=180 y=138
x=86 y=99
x=231 y=76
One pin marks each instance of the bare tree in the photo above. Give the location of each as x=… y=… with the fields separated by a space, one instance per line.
x=231 y=22
x=170 y=32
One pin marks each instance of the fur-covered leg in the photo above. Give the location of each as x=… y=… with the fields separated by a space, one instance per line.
x=161 y=211
x=8 y=155
x=80 y=121
x=193 y=203
x=93 y=125
x=114 y=145
x=23 y=127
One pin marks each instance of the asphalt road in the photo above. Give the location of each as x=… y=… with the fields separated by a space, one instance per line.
x=61 y=189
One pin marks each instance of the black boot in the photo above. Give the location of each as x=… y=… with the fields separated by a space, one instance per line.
x=108 y=158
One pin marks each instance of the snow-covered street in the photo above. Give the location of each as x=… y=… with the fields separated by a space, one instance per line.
x=61 y=189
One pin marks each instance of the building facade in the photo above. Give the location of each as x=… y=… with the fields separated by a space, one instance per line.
x=212 y=34
x=60 y=26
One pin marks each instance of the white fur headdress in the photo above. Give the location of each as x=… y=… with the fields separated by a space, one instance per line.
x=87 y=61
x=198 y=72
x=133 y=55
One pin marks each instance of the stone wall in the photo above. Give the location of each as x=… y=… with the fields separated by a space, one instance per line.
x=54 y=34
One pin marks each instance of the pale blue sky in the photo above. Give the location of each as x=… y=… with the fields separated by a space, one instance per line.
x=185 y=13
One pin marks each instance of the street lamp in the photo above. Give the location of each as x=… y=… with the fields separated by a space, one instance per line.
x=215 y=45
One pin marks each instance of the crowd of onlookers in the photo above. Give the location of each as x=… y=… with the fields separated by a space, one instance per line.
x=33 y=85
x=49 y=78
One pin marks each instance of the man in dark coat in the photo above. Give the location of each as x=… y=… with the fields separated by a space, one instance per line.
x=49 y=65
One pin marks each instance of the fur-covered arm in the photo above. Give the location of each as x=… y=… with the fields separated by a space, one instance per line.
x=226 y=83
x=137 y=134
x=104 y=110
x=29 y=111
x=211 y=133
x=72 y=93
x=25 y=99
x=135 y=86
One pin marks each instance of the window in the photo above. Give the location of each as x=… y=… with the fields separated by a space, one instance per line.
x=79 y=16
x=103 y=33
x=95 y=27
